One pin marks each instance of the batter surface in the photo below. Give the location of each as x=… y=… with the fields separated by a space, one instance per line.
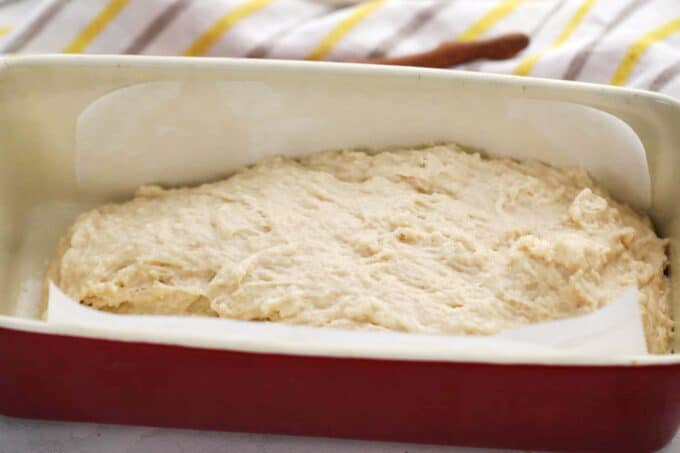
x=432 y=240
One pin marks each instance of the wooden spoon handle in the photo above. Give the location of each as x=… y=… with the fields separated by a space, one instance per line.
x=451 y=53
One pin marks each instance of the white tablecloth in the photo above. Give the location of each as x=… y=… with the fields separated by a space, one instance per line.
x=21 y=436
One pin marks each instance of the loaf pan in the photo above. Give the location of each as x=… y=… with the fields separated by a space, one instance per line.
x=539 y=401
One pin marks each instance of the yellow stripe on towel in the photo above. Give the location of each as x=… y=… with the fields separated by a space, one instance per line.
x=95 y=27
x=527 y=64
x=209 y=37
x=333 y=37
x=495 y=15
x=639 y=47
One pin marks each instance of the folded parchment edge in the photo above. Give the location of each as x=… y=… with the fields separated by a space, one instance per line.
x=613 y=330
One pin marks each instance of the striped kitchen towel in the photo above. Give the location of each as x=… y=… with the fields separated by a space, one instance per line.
x=621 y=42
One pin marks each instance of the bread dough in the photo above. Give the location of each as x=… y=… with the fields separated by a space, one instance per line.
x=433 y=240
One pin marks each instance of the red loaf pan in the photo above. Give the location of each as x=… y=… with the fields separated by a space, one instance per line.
x=527 y=402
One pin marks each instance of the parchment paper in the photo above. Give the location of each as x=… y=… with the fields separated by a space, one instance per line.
x=615 y=329
x=176 y=132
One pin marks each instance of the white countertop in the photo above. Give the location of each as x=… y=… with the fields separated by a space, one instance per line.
x=20 y=436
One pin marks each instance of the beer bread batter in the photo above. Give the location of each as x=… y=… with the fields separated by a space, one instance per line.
x=433 y=240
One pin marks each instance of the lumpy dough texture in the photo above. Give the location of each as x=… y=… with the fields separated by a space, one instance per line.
x=433 y=240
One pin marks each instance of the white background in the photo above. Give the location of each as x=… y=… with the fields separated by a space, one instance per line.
x=20 y=436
